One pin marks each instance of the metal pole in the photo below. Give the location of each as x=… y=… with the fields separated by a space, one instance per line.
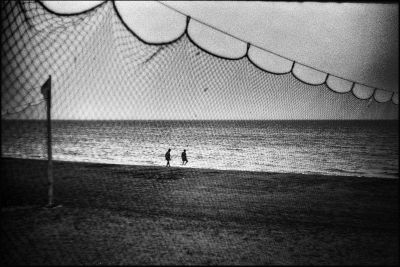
x=49 y=154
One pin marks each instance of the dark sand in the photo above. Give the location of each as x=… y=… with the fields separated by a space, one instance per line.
x=115 y=214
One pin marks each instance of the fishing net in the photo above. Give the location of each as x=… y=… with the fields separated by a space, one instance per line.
x=101 y=70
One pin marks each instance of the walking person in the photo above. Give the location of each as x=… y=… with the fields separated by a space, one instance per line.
x=168 y=157
x=184 y=158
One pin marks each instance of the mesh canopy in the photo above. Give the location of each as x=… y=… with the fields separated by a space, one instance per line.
x=100 y=70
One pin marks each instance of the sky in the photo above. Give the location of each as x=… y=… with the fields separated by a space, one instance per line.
x=355 y=41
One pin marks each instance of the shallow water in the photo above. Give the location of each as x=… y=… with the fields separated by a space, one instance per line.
x=350 y=148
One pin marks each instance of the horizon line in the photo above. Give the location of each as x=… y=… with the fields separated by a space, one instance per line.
x=16 y=119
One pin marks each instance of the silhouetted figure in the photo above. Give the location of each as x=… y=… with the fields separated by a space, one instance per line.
x=168 y=157
x=184 y=158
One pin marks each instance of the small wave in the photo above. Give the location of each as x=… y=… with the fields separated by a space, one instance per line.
x=337 y=170
x=234 y=149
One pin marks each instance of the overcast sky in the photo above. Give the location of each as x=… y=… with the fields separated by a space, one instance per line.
x=351 y=40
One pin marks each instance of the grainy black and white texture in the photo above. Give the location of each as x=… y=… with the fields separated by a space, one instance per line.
x=279 y=171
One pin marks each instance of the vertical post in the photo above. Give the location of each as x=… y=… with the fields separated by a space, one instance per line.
x=49 y=146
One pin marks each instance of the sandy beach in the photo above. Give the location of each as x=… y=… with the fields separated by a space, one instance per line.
x=126 y=214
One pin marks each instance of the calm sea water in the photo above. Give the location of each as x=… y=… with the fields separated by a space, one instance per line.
x=351 y=148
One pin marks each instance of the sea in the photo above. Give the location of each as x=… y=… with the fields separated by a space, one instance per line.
x=334 y=147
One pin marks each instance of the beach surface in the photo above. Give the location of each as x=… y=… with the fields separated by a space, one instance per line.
x=126 y=214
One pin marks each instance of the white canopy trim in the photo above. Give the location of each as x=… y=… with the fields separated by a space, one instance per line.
x=395 y=98
x=382 y=96
x=339 y=85
x=362 y=91
x=308 y=75
x=152 y=22
x=269 y=61
x=214 y=42
x=70 y=7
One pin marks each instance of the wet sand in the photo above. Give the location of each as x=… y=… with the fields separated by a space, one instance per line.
x=119 y=214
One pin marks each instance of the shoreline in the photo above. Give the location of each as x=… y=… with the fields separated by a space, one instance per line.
x=210 y=169
x=128 y=214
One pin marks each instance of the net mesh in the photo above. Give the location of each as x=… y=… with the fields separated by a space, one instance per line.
x=101 y=71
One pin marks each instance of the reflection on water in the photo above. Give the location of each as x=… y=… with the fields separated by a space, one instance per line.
x=357 y=148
